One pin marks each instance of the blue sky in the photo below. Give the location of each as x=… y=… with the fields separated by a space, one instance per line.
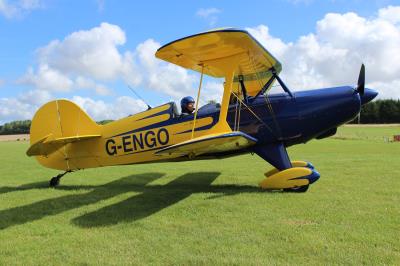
x=287 y=27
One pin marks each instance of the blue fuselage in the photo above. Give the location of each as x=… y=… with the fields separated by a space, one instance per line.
x=298 y=119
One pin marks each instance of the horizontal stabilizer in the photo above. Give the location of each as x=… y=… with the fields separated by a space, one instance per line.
x=209 y=144
x=48 y=144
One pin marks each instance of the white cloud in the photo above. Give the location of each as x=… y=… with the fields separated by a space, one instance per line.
x=387 y=89
x=92 y=53
x=18 y=8
x=47 y=79
x=333 y=54
x=390 y=13
x=329 y=56
x=209 y=14
x=81 y=60
x=100 y=110
x=35 y=97
x=86 y=59
x=6 y=9
x=160 y=76
x=275 y=45
x=212 y=90
x=13 y=109
x=23 y=106
x=85 y=83
x=206 y=12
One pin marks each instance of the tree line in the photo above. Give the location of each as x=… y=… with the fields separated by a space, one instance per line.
x=15 y=127
x=379 y=112
x=376 y=112
x=23 y=126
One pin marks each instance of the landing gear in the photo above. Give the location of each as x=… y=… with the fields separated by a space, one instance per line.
x=55 y=181
x=295 y=179
x=301 y=189
x=289 y=176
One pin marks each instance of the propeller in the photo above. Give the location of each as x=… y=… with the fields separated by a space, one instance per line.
x=361 y=81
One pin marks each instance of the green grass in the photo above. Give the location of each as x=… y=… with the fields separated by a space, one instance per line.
x=206 y=212
x=368 y=132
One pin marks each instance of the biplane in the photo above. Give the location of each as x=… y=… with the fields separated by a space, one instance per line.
x=248 y=119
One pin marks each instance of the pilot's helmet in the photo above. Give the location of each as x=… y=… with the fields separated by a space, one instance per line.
x=185 y=101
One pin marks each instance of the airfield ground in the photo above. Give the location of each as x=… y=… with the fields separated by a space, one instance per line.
x=19 y=137
x=207 y=212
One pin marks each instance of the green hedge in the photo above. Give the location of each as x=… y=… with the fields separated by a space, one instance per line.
x=22 y=127
x=380 y=112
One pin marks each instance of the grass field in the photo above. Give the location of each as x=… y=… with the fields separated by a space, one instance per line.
x=207 y=212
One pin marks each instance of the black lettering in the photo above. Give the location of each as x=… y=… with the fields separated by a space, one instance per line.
x=163 y=139
x=111 y=149
x=126 y=143
x=150 y=142
x=138 y=141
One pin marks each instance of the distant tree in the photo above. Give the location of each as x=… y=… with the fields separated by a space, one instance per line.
x=23 y=127
x=16 y=127
x=380 y=112
x=369 y=113
x=388 y=111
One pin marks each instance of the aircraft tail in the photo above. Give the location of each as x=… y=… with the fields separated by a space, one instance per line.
x=57 y=124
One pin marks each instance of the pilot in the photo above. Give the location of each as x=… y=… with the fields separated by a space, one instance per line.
x=187 y=105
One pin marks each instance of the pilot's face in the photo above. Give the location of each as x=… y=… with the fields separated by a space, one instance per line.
x=190 y=107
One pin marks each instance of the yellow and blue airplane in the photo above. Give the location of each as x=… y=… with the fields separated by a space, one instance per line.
x=248 y=120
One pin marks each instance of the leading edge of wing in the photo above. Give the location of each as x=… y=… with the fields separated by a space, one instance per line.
x=213 y=143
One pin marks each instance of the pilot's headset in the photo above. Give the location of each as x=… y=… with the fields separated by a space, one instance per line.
x=185 y=101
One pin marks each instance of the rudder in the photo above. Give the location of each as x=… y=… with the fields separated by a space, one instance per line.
x=56 y=124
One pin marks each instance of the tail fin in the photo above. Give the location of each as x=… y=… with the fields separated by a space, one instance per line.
x=56 y=124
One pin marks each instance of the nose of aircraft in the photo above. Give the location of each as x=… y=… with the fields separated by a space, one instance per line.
x=368 y=96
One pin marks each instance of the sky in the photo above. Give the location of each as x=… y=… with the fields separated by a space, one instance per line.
x=91 y=51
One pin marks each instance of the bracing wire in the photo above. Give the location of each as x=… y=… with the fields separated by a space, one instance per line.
x=254 y=114
x=267 y=101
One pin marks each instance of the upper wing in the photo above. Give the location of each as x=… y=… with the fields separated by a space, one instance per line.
x=254 y=62
x=213 y=143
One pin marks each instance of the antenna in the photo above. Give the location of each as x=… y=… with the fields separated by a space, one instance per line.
x=138 y=96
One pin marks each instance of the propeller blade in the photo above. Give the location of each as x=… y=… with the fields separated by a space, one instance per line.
x=361 y=81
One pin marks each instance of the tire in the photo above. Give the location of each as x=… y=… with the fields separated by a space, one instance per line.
x=301 y=189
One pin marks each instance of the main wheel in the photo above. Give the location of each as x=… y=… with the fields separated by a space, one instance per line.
x=55 y=181
x=297 y=189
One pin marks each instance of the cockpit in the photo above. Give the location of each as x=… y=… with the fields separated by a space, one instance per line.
x=203 y=110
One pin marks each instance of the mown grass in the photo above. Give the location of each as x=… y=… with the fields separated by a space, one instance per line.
x=368 y=132
x=205 y=212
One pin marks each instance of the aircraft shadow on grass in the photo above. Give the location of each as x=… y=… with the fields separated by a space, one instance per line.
x=150 y=200
x=36 y=185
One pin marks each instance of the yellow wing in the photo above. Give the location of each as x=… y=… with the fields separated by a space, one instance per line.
x=254 y=62
x=209 y=144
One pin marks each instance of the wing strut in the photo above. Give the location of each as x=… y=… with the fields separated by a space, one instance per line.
x=244 y=91
x=198 y=99
x=284 y=87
